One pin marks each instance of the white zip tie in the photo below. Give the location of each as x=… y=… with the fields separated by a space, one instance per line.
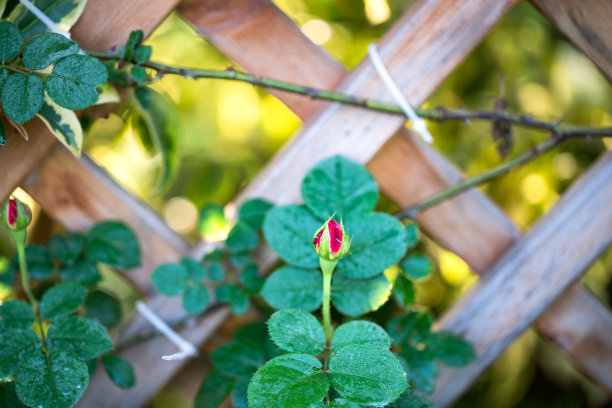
x=418 y=124
x=187 y=349
x=42 y=17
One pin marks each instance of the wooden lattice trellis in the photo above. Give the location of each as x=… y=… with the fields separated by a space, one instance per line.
x=530 y=278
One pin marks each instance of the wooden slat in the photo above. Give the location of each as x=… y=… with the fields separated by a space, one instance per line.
x=587 y=23
x=103 y=25
x=419 y=51
x=530 y=276
x=77 y=194
x=106 y=25
x=242 y=28
x=407 y=170
x=579 y=322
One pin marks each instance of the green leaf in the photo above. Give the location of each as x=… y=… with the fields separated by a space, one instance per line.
x=421 y=369
x=160 y=126
x=44 y=49
x=84 y=337
x=289 y=230
x=62 y=12
x=239 y=393
x=412 y=235
x=257 y=336
x=66 y=248
x=289 y=381
x=251 y=281
x=367 y=374
x=139 y=74
x=242 y=238
x=62 y=300
x=360 y=332
x=39 y=263
x=133 y=41
x=239 y=301
x=290 y=287
x=57 y=381
x=214 y=255
x=214 y=390
x=170 y=279
x=412 y=328
x=253 y=212
x=92 y=366
x=378 y=242
x=339 y=186
x=64 y=124
x=16 y=314
x=403 y=291
x=237 y=359
x=72 y=83
x=195 y=299
x=355 y=297
x=4 y=74
x=342 y=403
x=8 y=396
x=11 y=41
x=450 y=349
x=195 y=270
x=297 y=331
x=103 y=307
x=142 y=54
x=416 y=266
x=119 y=371
x=113 y=243
x=83 y=271
x=240 y=259
x=16 y=345
x=216 y=272
x=412 y=399
x=22 y=97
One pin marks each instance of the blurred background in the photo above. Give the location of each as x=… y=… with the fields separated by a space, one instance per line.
x=227 y=131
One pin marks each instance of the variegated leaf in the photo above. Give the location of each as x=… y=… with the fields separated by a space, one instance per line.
x=63 y=12
x=64 y=124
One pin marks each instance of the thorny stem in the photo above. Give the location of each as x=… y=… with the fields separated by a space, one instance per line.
x=435 y=114
x=482 y=178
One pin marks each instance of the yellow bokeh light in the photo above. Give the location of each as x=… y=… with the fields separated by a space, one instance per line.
x=276 y=120
x=377 y=11
x=181 y=215
x=535 y=99
x=535 y=188
x=453 y=269
x=238 y=110
x=564 y=165
x=317 y=30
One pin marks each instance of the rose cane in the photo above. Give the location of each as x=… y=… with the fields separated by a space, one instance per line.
x=331 y=244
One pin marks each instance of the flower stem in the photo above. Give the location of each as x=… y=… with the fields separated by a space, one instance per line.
x=19 y=239
x=327 y=267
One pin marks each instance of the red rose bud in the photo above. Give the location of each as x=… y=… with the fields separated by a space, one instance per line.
x=331 y=242
x=16 y=215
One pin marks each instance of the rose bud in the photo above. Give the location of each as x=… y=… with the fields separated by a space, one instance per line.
x=16 y=215
x=331 y=242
